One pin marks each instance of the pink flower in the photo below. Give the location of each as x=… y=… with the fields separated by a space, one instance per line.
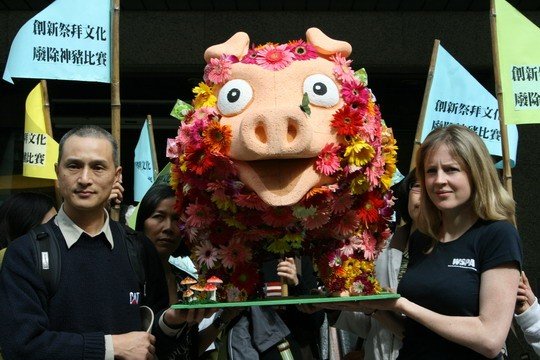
x=355 y=94
x=375 y=170
x=274 y=58
x=327 y=161
x=199 y=215
x=348 y=223
x=206 y=254
x=334 y=259
x=204 y=114
x=350 y=245
x=218 y=71
x=250 y=57
x=369 y=245
x=302 y=50
x=172 y=149
x=234 y=254
x=342 y=69
x=317 y=220
x=343 y=203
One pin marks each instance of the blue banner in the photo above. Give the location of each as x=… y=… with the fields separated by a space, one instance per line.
x=144 y=167
x=456 y=97
x=68 y=40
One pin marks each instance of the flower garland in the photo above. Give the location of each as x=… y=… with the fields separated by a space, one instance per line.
x=231 y=230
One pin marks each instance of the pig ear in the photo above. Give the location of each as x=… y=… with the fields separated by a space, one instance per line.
x=326 y=45
x=237 y=45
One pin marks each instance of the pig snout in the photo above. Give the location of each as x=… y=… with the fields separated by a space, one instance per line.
x=275 y=134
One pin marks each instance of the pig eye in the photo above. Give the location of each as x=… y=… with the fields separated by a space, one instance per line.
x=321 y=90
x=234 y=96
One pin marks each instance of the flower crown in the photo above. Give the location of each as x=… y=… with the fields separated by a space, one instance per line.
x=343 y=225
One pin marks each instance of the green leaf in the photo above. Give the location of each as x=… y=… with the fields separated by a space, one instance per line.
x=180 y=110
x=305 y=104
x=361 y=75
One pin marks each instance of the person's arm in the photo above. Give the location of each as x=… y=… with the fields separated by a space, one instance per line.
x=24 y=327
x=485 y=333
x=528 y=313
x=393 y=322
x=210 y=333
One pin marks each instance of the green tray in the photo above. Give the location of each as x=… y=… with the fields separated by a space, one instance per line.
x=293 y=300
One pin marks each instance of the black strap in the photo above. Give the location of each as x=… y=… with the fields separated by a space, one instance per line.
x=47 y=257
x=135 y=253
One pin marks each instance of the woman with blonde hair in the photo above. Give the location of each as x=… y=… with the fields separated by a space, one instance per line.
x=458 y=293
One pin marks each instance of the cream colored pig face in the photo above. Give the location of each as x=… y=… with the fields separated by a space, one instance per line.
x=274 y=142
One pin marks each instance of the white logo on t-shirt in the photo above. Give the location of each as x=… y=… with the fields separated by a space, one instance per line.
x=463 y=263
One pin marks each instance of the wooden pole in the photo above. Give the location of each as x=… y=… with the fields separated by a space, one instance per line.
x=427 y=90
x=507 y=170
x=115 y=89
x=49 y=131
x=152 y=147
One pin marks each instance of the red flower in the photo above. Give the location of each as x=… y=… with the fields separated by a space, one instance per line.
x=246 y=276
x=198 y=160
x=369 y=212
x=347 y=121
x=278 y=216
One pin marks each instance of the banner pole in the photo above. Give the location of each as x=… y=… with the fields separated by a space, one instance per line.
x=152 y=147
x=115 y=89
x=507 y=170
x=427 y=90
x=49 y=131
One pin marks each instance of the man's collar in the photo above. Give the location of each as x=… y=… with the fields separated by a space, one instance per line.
x=72 y=232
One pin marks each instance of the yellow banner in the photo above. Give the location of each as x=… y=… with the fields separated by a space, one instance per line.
x=518 y=43
x=40 y=149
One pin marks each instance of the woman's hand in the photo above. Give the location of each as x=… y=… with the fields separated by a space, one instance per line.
x=177 y=317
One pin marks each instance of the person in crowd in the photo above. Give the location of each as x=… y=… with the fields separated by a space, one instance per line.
x=527 y=313
x=95 y=311
x=159 y=221
x=459 y=290
x=21 y=212
x=268 y=333
x=380 y=330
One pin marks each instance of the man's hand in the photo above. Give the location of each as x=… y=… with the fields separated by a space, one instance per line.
x=287 y=270
x=525 y=296
x=136 y=345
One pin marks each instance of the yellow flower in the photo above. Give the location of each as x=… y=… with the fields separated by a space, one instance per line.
x=232 y=222
x=294 y=240
x=366 y=266
x=224 y=203
x=359 y=185
x=204 y=96
x=359 y=152
x=386 y=178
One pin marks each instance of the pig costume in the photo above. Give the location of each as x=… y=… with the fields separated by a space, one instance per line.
x=283 y=152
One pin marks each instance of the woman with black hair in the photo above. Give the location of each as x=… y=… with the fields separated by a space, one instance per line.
x=21 y=212
x=159 y=221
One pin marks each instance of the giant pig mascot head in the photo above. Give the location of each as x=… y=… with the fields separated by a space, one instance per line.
x=283 y=151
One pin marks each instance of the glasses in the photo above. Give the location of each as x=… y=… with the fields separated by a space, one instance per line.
x=415 y=187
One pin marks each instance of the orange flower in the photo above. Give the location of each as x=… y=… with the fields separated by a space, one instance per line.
x=217 y=138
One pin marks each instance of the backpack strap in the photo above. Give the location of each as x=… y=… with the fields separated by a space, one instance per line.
x=47 y=257
x=135 y=252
